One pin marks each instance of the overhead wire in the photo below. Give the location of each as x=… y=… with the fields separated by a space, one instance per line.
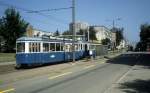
x=38 y=12
x=47 y=10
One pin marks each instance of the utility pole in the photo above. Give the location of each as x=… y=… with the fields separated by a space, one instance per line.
x=113 y=24
x=88 y=38
x=73 y=29
x=113 y=28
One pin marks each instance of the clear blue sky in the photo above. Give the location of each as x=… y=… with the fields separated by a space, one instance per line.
x=133 y=13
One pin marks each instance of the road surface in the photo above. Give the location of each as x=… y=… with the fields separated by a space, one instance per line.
x=94 y=78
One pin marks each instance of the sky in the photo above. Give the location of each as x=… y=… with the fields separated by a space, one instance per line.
x=132 y=13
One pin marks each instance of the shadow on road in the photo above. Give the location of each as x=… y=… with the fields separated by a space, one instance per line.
x=131 y=59
x=136 y=86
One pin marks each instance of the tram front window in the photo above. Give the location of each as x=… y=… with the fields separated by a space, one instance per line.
x=20 y=47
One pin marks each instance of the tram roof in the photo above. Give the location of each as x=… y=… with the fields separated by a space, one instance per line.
x=45 y=39
x=29 y=39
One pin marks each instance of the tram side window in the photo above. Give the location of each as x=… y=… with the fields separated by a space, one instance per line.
x=68 y=48
x=45 y=47
x=38 y=47
x=92 y=47
x=30 y=47
x=34 y=47
x=76 y=47
x=52 y=46
x=81 y=46
x=62 y=47
x=20 y=47
x=57 y=46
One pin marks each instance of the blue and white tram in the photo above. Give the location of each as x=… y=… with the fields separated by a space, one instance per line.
x=33 y=50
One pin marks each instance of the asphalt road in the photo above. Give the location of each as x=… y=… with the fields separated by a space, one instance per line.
x=90 y=79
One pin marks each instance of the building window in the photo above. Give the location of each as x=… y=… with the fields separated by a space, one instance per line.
x=62 y=47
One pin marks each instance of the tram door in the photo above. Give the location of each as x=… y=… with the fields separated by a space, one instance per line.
x=86 y=47
x=68 y=52
x=86 y=50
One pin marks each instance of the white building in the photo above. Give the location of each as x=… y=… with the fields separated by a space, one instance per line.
x=122 y=44
x=79 y=26
x=40 y=33
x=102 y=32
x=31 y=32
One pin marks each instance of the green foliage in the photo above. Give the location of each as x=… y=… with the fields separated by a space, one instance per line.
x=81 y=32
x=67 y=32
x=92 y=33
x=130 y=48
x=56 y=33
x=11 y=28
x=7 y=57
x=119 y=35
x=141 y=46
x=145 y=33
x=144 y=38
x=105 y=41
x=84 y=33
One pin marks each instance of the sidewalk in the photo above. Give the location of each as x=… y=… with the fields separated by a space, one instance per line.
x=136 y=80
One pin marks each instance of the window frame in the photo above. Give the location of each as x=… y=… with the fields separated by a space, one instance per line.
x=17 y=47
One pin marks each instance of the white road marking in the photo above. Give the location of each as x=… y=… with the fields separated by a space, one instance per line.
x=122 y=77
x=127 y=72
x=8 y=90
x=53 y=77
x=89 y=66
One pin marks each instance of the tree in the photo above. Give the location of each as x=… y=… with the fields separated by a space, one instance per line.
x=105 y=41
x=130 y=48
x=84 y=33
x=145 y=33
x=141 y=46
x=11 y=28
x=144 y=43
x=66 y=33
x=119 y=35
x=92 y=34
x=56 y=33
x=81 y=32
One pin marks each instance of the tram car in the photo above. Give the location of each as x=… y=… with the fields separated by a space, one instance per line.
x=36 y=51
